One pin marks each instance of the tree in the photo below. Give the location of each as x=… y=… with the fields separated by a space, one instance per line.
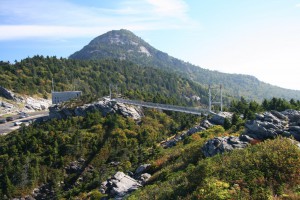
x=7 y=186
x=227 y=124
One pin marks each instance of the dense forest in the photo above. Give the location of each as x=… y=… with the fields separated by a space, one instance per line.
x=34 y=75
x=41 y=154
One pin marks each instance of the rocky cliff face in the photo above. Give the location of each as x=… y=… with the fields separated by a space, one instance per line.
x=104 y=106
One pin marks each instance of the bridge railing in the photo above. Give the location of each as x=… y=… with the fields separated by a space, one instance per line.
x=163 y=106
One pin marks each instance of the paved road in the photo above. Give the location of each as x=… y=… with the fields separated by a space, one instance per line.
x=9 y=126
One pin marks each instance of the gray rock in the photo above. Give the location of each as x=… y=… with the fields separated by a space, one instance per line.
x=293 y=115
x=246 y=138
x=128 y=111
x=6 y=105
x=104 y=106
x=6 y=93
x=195 y=130
x=259 y=116
x=10 y=95
x=36 y=103
x=144 y=178
x=219 y=118
x=269 y=117
x=206 y=124
x=222 y=144
x=75 y=166
x=272 y=124
x=295 y=129
x=279 y=115
x=141 y=169
x=119 y=185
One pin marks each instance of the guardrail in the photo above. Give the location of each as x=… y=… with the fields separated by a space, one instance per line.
x=189 y=110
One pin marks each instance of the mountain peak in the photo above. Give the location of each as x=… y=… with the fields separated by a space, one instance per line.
x=125 y=45
x=121 y=44
x=114 y=37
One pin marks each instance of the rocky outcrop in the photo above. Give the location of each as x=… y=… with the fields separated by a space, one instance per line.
x=272 y=124
x=104 y=106
x=224 y=144
x=75 y=166
x=205 y=124
x=45 y=191
x=37 y=103
x=219 y=118
x=120 y=184
x=267 y=125
x=10 y=95
x=6 y=93
x=13 y=103
x=141 y=169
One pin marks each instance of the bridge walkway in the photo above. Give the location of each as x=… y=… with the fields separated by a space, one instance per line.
x=190 y=110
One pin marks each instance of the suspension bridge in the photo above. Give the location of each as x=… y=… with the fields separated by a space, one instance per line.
x=190 y=110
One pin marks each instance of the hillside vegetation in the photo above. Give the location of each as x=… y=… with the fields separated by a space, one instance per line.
x=124 y=45
x=33 y=76
x=41 y=154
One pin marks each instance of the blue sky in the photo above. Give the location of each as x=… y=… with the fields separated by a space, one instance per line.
x=256 y=37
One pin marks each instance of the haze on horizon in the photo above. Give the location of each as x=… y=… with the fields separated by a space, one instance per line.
x=260 y=38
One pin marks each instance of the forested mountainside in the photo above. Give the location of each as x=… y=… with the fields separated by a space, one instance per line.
x=124 y=45
x=71 y=158
x=34 y=75
x=85 y=156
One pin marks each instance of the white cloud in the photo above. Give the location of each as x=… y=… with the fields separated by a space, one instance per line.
x=171 y=8
x=11 y=32
x=298 y=5
x=60 y=18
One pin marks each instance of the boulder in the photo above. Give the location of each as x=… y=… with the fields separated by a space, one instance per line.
x=206 y=124
x=293 y=115
x=6 y=93
x=128 y=111
x=144 y=178
x=195 y=130
x=279 y=115
x=141 y=169
x=10 y=95
x=119 y=185
x=6 y=105
x=223 y=144
x=219 y=118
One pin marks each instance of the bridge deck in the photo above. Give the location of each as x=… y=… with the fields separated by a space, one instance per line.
x=189 y=110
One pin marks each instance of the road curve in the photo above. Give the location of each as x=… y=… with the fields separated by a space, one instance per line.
x=9 y=126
